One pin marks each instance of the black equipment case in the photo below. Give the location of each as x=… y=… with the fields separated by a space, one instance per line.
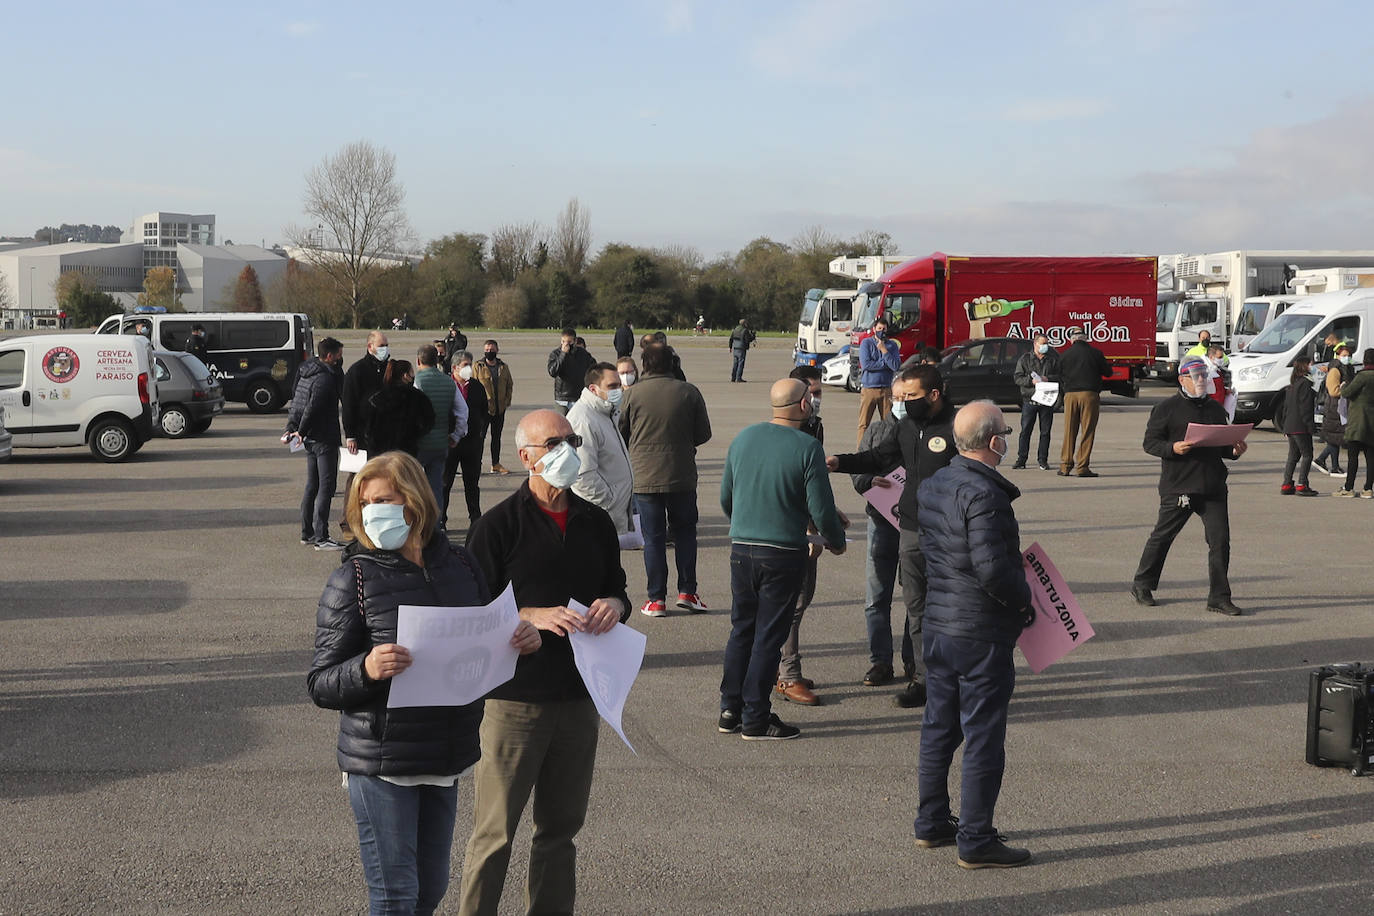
x=1340 y=717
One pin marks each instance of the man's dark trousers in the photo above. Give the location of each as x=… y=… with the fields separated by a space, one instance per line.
x=1216 y=527
x=969 y=683
x=764 y=584
x=1030 y=413
x=737 y=366
x=912 y=566
x=321 y=475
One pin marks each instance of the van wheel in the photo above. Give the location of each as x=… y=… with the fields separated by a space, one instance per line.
x=263 y=398
x=112 y=439
x=175 y=424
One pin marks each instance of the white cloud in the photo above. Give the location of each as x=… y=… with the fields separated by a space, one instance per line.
x=677 y=17
x=1036 y=110
x=301 y=28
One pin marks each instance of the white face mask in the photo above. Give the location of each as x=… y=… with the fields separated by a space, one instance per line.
x=627 y=379
x=1001 y=453
x=382 y=353
x=561 y=466
x=815 y=406
x=465 y=372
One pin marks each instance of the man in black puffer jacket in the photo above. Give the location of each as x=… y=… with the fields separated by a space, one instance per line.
x=977 y=605
x=923 y=444
x=314 y=420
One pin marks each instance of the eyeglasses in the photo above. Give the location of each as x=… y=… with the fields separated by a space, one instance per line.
x=573 y=440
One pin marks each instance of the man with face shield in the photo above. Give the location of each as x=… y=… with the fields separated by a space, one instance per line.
x=923 y=443
x=540 y=728
x=1192 y=481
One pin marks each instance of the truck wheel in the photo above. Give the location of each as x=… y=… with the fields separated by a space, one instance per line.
x=263 y=398
x=175 y=424
x=112 y=439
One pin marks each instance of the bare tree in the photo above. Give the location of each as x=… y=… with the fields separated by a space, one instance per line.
x=572 y=237
x=516 y=248
x=815 y=241
x=356 y=208
x=6 y=299
x=873 y=241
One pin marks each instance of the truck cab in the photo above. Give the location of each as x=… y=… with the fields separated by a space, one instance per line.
x=826 y=319
x=1256 y=314
x=1179 y=323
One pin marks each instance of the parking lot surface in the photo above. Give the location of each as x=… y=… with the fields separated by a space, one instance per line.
x=159 y=753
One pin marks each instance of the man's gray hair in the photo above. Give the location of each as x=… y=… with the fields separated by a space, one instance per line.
x=462 y=355
x=976 y=433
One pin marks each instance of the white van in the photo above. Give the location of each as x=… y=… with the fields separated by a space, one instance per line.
x=1256 y=314
x=1263 y=370
x=79 y=389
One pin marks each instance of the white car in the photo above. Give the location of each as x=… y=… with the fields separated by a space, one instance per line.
x=5 y=439
x=835 y=370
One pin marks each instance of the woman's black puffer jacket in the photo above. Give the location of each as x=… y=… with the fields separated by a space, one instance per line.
x=400 y=414
x=374 y=740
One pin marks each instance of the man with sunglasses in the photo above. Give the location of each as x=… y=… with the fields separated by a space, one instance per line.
x=977 y=604
x=540 y=728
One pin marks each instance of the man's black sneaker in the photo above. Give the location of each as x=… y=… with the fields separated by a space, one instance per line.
x=995 y=855
x=944 y=835
x=912 y=695
x=1143 y=596
x=1225 y=607
x=1044 y=466
x=1019 y=466
x=773 y=730
x=729 y=722
x=1087 y=474
x=878 y=675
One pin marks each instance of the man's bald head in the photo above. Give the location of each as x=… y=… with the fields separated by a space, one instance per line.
x=786 y=392
x=975 y=426
x=539 y=426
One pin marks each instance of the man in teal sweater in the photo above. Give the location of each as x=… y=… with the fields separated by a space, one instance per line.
x=774 y=484
x=450 y=411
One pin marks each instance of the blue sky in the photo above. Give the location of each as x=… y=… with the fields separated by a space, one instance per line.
x=1057 y=127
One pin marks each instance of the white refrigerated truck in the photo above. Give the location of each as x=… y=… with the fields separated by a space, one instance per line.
x=1215 y=288
x=827 y=315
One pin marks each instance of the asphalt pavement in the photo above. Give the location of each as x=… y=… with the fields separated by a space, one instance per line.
x=159 y=753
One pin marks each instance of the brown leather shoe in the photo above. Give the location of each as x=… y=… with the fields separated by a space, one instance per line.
x=797 y=692
x=499 y=469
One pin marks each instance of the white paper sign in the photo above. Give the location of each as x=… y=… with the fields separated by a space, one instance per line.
x=350 y=463
x=609 y=664
x=1046 y=393
x=458 y=654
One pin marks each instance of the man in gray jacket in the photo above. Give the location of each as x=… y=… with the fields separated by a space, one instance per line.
x=604 y=479
x=664 y=421
x=1039 y=364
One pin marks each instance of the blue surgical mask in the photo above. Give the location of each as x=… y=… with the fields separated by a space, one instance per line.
x=899 y=409
x=382 y=353
x=615 y=396
x=1042 y=349
x=561 y=466
x=385 y=525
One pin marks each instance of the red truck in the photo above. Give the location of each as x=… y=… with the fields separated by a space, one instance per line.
x=945 y=299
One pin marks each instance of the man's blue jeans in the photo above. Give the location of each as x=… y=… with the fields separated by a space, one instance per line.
x=433 y=463
x=968 y=686
x=321 y=475
x=881 y=569
x=405 y=834
x=661 y=514
x=737 y=367
x=764 y=585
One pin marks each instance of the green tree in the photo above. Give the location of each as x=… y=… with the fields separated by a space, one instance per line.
x=452 y=281
x=78 y=294
x=770 y=294
x=160 y=289
x=248 y=291
x=628 y=282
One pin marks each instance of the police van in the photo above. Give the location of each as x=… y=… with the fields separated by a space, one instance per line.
x=1261 y=371
x=74 y=389
x=254 y=356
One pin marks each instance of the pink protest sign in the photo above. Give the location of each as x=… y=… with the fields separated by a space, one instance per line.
x=1060 y=625
x=884 y=499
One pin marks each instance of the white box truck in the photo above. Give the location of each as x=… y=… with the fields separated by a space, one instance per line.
x=827 y=315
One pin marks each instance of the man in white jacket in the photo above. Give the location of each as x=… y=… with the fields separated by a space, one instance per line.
x=605 y=479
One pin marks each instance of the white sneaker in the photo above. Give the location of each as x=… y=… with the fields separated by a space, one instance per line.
x=1343 y=492
x=1367 y=494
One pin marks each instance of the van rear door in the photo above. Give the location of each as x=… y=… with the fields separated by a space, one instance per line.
x=15 y=395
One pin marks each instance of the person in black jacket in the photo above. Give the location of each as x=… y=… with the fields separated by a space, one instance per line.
x=399 y=412
x=1039 y=364
x=1298 y=421
x=675 y=361
x=314 y=421
x=402 y=765
x=978 y=605
x=361 y=382
x=1082 y=367
x=1192 y=481
x=539 y=733
x=924 y=443
x=568 y=366
x=467 y=452
x=624 y=340
x=196 y=344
